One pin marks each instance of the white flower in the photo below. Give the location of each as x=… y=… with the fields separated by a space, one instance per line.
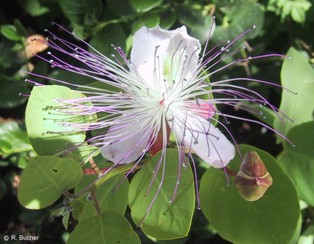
x=163 y=89
x=162 y=95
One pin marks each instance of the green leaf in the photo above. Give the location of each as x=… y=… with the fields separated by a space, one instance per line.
x=307 y=236
x=240 y=16
x=240 y=221
x=298 y=161
x=165 y=220
x=145 y=5
x=83 y=12
x=112 y=195
x=44 y=180
x=110 y=227
x=10 y=88
x=295 y=8
x=46 y=135
x=148 y=20
x=296 y=75
x=120 y=7
x=34 y=7
x=20 y=28
x=167 y=18
x=13 y=138
x=10 y=32
x=110 y=35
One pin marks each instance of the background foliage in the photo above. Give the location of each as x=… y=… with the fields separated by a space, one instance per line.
x=281 y=27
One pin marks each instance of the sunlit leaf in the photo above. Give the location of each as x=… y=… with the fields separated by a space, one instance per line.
x=240 y=221
x=112 y=195
x=44 y=180
x=110 y=227
x=46 y=135
x=165 y=220
x=296 y=75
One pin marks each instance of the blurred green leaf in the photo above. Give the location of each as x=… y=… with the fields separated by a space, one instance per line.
x=20 y=28
x=10 y=32
x=240 y=221
x=240 y=16
x=295 y=8
x=45 y=179
x=198 y=22
x=110 y=35
x=299 y=9
x=297 y=76
x=34 y=7
x=307 y=236
x=10 y=88
x=83 y=12
x=164 y=220
x=109 y=227
x=167 y=18
x=145 y=5
x=120 y=7
x=13 y=138
x=298 y=161
x=148 y=20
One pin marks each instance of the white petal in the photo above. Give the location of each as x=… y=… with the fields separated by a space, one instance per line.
x=127 y=149
x=173 y=47
x=204 y=139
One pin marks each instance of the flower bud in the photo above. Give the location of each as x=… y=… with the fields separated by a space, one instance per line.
x=253 y=179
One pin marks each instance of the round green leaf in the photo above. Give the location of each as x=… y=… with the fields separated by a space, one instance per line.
x=46 y=135
x=45 y=178
x=112 y=195
x=298 y=161
x=165 y=220
x=110 y=227
x=271 y=219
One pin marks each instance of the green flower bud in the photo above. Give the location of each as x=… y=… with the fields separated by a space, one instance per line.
x=253 y=179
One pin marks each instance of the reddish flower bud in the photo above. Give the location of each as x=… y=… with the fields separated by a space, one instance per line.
x=253 y=179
